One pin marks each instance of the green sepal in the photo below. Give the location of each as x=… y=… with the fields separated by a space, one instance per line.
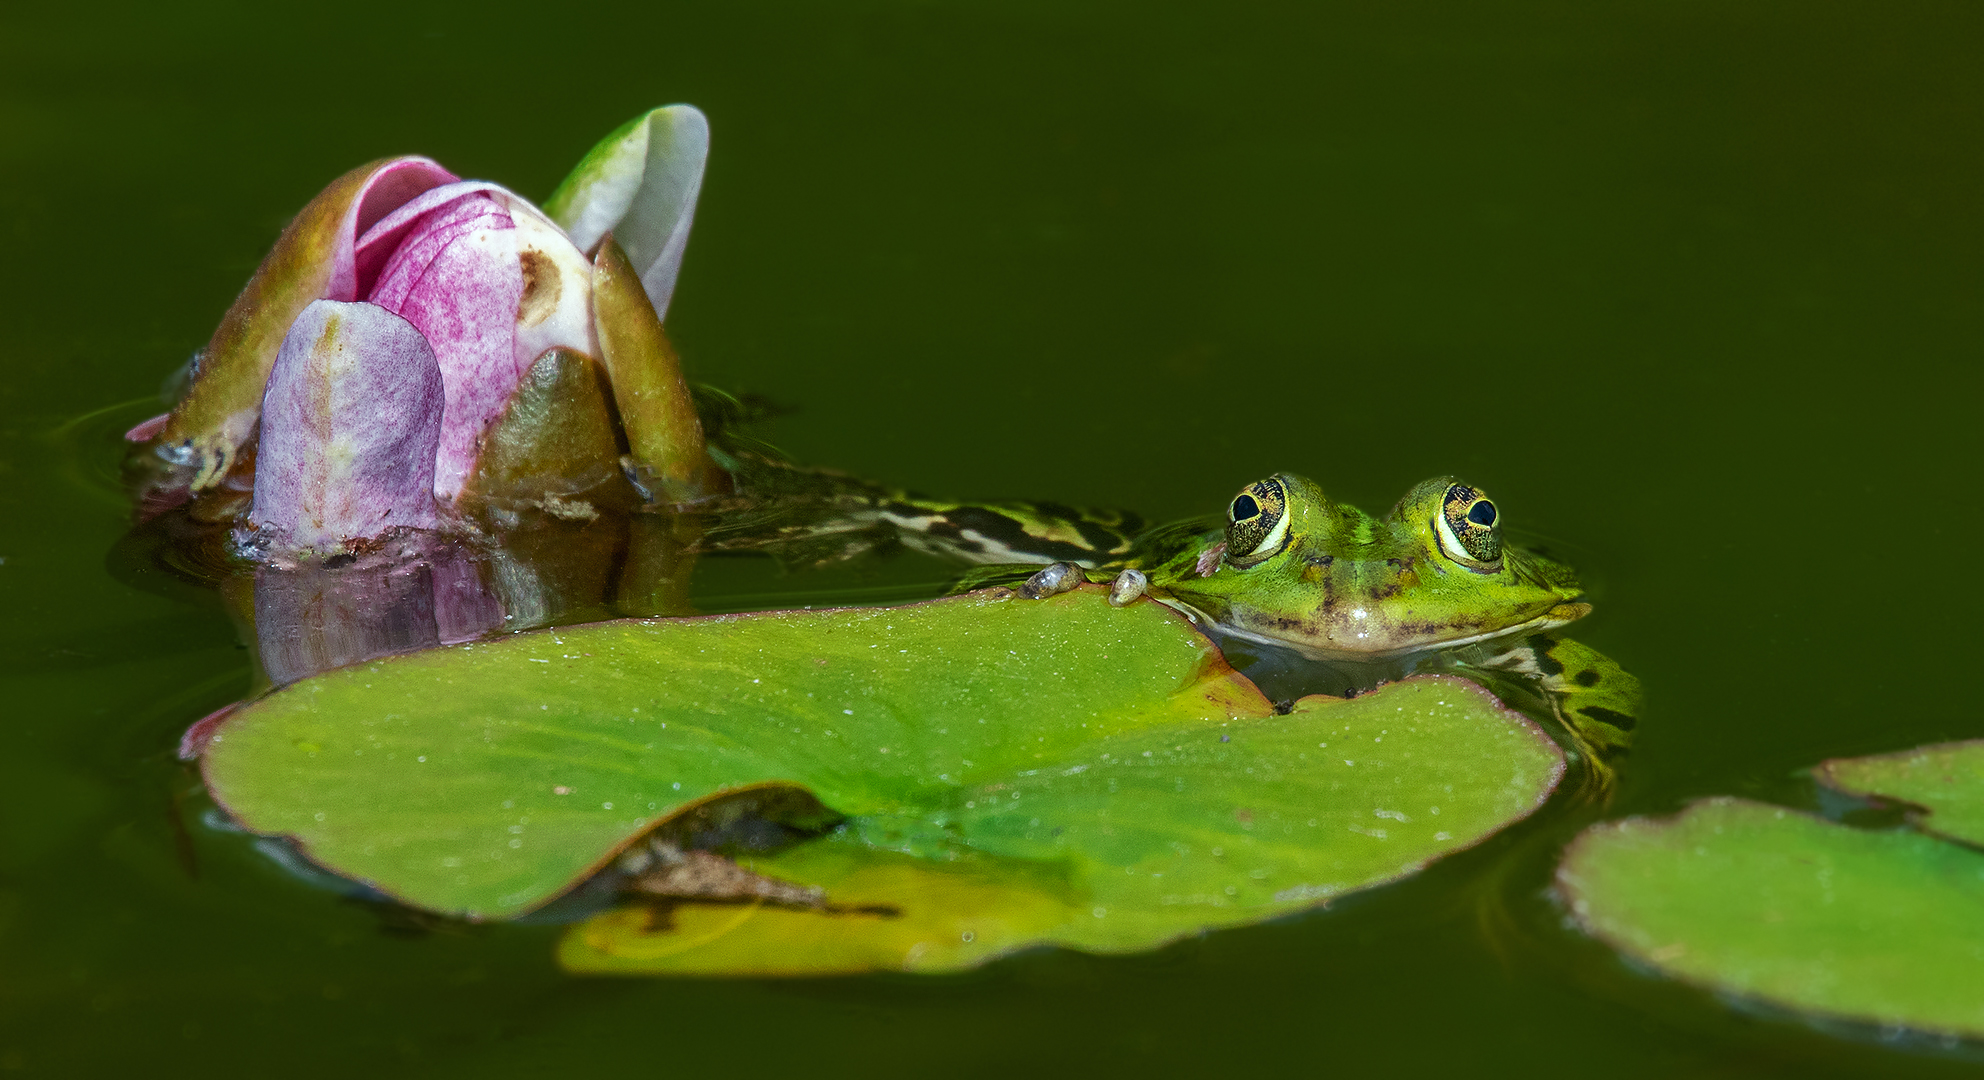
x=554 y=442
x=664 y=434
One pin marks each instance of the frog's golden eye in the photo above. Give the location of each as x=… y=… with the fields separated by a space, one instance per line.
x=1470 y=527
x=1257 y=523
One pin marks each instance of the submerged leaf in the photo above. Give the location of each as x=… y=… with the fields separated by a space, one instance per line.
x=890 y=912
x=1018 y=760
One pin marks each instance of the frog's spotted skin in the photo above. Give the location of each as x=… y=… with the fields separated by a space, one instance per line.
x=809 y=517
x=1595 y=700
x=1017 y=532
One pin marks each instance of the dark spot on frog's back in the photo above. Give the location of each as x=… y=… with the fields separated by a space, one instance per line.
x=1588 y=677
x=1011 y=534
x=1609 y=716
x=1099 y=537
x=947 y=531
x=1545 y=663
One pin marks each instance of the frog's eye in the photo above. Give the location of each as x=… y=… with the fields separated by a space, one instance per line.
x=1257 y=523
x=1470 y=527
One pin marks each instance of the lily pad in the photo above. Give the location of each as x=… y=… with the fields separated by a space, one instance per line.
x=1946 y=781
x=1777 y=906
x=1058 y=770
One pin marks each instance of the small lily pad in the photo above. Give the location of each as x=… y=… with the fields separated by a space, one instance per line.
x=1773 y=905
x=1056 y=771
x=1946 y=781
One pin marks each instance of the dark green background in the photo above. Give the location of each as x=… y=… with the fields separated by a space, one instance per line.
x=1691 y=288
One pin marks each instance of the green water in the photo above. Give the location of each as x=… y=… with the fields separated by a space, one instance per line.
x=1692 y=288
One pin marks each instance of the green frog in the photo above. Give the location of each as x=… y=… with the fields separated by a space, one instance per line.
x=1432 y=585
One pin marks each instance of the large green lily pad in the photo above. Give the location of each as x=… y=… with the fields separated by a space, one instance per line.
x=1881 y=927
x=1057 y=770
x=1946 y=781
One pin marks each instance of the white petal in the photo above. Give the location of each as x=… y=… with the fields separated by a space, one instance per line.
x=640 y=183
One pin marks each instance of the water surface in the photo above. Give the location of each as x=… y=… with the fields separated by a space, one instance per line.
x=1691 y=288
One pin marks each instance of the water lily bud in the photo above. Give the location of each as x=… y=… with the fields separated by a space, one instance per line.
x=488 y=283
x=350 y=425
x=640 y=183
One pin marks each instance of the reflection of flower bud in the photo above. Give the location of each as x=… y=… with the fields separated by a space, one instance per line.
x=403 y=309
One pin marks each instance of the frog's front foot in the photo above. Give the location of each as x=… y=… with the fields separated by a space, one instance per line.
x=1053 y=580
x=1128 y=585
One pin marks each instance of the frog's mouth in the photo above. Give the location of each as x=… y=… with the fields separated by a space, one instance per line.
x=1559 y=615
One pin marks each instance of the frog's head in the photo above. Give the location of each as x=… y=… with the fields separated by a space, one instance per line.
x=1296 y=569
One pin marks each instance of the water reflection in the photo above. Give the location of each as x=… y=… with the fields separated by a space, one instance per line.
x=309 y=617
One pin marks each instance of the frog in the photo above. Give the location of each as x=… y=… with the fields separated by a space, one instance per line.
x=1434 y=585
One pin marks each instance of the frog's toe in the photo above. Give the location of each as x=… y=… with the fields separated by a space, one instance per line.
x=1128 y=585
x=1058 y=578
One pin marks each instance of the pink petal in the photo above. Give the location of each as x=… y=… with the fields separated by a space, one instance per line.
x=148 y=430
x=349 y=428
x=454 y=274
x=384 y=234
x=389 y=187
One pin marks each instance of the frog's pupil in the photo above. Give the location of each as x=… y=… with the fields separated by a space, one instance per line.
x=1245 y=507
x=1482 y=513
